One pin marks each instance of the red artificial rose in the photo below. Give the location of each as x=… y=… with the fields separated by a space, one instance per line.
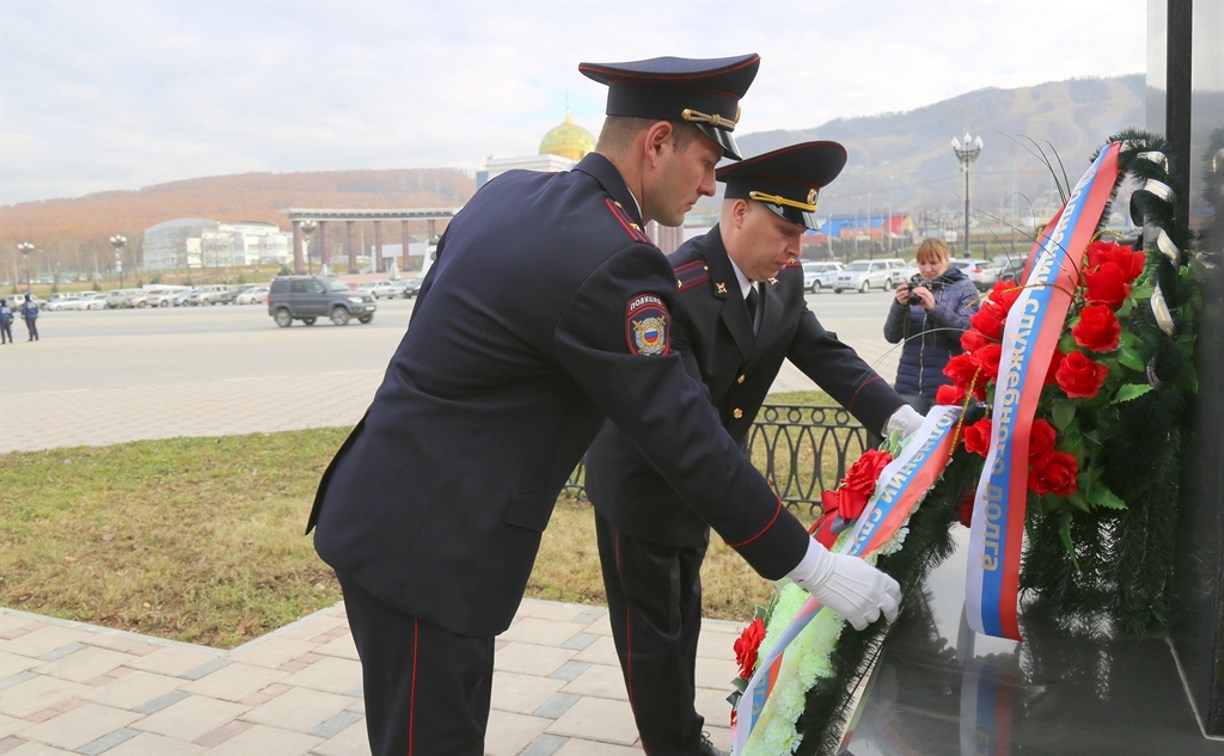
x=948 y=394
x=1056 y=361
x=962 y=369
x=1004 y=294
x=989 y=321
x=1080 y=377
x=746 y=647
x=1041 y=441
x=1126 y=258
x=977 y=437
x=864 y=473
x=1057 y=475
x=1106 y=285
x=1098 y=329
x=973 y=340
x=988 y=357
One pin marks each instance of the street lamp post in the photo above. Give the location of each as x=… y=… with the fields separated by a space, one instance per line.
x=966 y=153
x=119 y=242
x=25 y=248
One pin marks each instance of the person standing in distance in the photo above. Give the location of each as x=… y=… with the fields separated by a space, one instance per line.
x=6 y=323
x=546 y=312
x=29 y=313
x=739 y=313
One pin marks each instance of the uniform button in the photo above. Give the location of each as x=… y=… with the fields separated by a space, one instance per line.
x=738 y=414
x=740 y=379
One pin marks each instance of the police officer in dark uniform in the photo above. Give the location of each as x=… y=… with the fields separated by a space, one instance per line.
x=651 y=542
x=547 y=311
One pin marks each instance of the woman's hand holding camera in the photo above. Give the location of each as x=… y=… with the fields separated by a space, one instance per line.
x=915 y=294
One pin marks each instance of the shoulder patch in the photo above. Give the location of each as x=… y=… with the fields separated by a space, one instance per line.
x=692 y=274
x=646 y=326
x=631 y=226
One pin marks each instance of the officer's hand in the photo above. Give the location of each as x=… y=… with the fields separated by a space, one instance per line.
x=906 y=419
x=848 y=586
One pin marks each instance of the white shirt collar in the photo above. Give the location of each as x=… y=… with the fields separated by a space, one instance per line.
x=744 y=282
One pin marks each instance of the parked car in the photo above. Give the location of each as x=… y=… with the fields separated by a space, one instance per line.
x=819 y=275
x=62 y=301
x=208 y=295
x=1011 y=270
x=161 y=297
x=382 y=289
x=412 y=286
x=253 y=295
x=120 y=298
x=978 y=271
x=863 y=275
x=307 y=298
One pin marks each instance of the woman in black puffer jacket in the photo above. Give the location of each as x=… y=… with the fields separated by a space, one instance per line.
x=929 y=314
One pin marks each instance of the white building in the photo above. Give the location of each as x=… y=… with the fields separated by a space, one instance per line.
x=193 y=243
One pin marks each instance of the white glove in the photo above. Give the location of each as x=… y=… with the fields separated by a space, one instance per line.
x=847 y=585
x=906 y=419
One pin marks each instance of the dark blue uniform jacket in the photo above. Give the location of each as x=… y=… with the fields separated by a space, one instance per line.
x=715 y=337
x=522 y=342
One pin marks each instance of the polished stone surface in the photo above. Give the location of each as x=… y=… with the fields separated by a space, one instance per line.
x=940 y=688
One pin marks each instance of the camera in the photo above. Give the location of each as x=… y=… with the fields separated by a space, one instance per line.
x=914 y=299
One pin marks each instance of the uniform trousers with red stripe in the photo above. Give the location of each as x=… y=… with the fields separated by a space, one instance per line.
x=427 y=690
x=654 y=607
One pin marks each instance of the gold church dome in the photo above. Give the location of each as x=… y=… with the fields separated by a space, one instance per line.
x=568 y=140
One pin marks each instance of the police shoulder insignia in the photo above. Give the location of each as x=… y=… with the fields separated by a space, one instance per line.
x=630 y=225
x=691 y=274
x=646 y=331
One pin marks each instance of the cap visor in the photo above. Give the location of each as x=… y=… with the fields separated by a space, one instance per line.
x=722 y=138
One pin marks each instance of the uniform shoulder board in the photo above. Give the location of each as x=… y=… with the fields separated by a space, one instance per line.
x=692 y=274
x=631 y=226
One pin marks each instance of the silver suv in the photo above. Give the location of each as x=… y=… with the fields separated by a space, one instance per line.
x=307 y=298
x=862 y=275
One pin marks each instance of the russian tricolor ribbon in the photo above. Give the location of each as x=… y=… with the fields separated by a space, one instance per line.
x=901 y=485
x=1034 y=325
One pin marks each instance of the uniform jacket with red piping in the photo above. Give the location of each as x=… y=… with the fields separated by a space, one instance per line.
x=546 y=312
x=714 y=336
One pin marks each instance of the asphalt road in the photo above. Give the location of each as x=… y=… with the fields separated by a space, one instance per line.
x=108 y=376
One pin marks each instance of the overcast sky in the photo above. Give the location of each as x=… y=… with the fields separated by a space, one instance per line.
x=122 y=94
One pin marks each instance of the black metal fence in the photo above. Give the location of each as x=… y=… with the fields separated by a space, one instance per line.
x=801 y=449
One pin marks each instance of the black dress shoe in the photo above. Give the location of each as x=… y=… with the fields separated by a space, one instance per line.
x=706 y=748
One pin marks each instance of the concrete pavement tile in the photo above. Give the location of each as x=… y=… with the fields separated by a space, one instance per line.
x=541 y=631
x=331 y=674
x=553 y=611
x=341 y=646
x=611 y=721
x=134 y=689
x=719 y=736
x=600 y=626
x=11 y=620
x=555 y=706
x=545 y=745
x=712 y=644
x=574 y=747
x=45 y=640
x=127 y=643
x=147 y=744
x=337 y=724
x=191 y=718
x=10 y=725
x=312 y=626
x=510 y=733
x=351 y=741
x=82 y=725
x=266 y=741
x=522 y=693
x=174 y=660
x=570 y=670
x=84 y=665
x=234 y=682
x=107 y=741
x=223 y=734
x=530 y=659
x=34 y=749
x=271 y=651
x=712 y=704
x=36 y=694
x=11 y=664
x=598 y=680
x=716 y=673
x=602 y=651
x=298 y=709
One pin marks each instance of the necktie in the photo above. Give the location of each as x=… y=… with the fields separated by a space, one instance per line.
x=751 y=301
